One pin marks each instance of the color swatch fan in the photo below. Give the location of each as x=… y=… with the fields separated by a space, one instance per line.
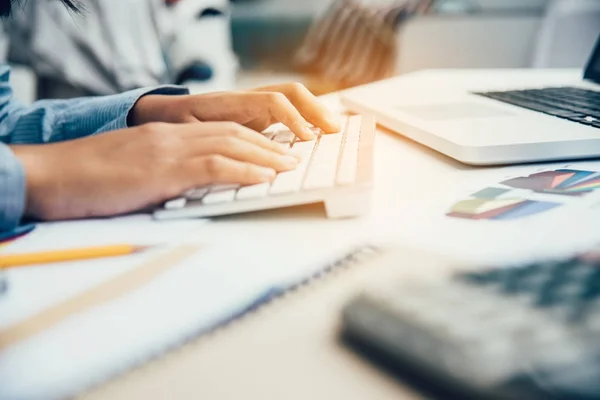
x=505 y=203
x=487 y=205
x=567 y=182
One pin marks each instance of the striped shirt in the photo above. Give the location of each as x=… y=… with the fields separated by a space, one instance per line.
x=53 y=121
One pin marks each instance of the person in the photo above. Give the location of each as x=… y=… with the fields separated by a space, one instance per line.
x=121 y=45
x=103 y=156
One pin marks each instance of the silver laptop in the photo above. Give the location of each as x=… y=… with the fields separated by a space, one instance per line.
x=524 y=121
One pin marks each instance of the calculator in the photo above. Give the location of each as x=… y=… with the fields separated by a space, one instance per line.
x=527 y=332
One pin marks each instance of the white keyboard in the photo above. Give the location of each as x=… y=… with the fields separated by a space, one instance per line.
x=335 y=169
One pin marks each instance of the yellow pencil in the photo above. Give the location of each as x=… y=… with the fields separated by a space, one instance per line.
x=19 y=260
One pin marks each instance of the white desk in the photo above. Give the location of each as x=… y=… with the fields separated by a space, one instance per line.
x=414 y=187
x=289 y=350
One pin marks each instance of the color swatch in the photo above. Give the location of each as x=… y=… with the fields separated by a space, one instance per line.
x=498 y=209
x=504 y=203
x=566 y=182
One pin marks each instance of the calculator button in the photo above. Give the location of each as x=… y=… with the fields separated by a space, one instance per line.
x=592 y=323
x=485 y=278
x=547 y=297
x=532 y=283
x=591 y=289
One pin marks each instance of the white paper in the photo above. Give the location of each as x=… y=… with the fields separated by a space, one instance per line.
x=560 y=232
x=229 y=273
x=35 y=288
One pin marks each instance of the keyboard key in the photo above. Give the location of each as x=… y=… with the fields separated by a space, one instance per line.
x=320 y=179
x=291 y=181
x=253 y=192
x=196 y=194
x=286 y=137
x=349 y=159
x=584 y=121
x=269 y=134
x=323 y=166
x=222 y=188
x=304 y=149
x=354 y=127
x=176 y=204
x=219 y=197
x=287 y=182
x=571 y=103
x=220 y=194
x=347 y=172
x=329 y=141
x=567 y=114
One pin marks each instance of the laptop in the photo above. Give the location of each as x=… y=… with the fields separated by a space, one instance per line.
x=527 y=120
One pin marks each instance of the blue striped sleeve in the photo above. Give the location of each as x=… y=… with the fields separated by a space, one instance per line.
x=58 y=120
x=53 y=121
x=12 y=189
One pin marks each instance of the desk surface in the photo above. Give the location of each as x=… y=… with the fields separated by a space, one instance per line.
x=288 y=350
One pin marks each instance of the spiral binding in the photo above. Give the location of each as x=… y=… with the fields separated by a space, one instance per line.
x=353 y=257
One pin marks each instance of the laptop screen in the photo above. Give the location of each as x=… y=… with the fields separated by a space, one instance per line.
x=592 y=71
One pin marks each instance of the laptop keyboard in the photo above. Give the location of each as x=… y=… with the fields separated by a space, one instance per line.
x=574 y=104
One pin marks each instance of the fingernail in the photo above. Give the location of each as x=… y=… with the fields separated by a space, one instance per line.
x=295 y=154
x=267 y=174
x=282 y=148
x=334 y=122
x=308 y=134
x=289 y=161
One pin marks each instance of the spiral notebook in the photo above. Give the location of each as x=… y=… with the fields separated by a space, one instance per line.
x=141 y=314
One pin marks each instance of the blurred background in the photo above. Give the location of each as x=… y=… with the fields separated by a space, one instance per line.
x=210 y=45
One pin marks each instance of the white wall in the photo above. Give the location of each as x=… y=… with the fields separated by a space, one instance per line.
x=468 y=42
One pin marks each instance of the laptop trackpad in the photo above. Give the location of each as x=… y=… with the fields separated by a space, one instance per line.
x=448 y=111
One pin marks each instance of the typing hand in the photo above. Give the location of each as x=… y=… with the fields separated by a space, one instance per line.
x=135 y=168
x=292 y=104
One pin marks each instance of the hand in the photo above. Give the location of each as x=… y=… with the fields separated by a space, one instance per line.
x=292 y=104
x=132 y=169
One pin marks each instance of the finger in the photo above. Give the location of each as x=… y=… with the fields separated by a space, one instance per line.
x=251 y=136
x=308 y=105
x=241 y=150
x=260 y=124
x=231 y=129
x=216 y=169
x=282 y=110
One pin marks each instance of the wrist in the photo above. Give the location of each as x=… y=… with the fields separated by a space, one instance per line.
x=35 y=174
x=157 y=108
